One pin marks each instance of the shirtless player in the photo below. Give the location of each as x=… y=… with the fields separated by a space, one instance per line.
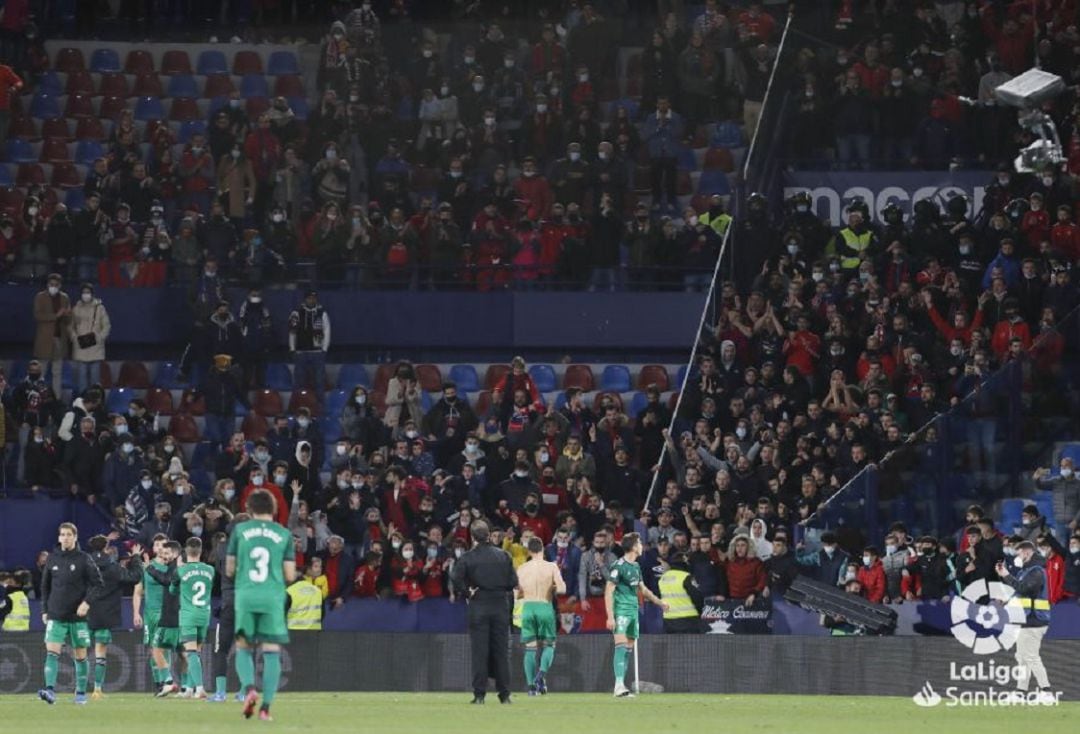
x=538 y=581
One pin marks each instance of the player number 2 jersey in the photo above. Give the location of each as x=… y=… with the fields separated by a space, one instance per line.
x=260 y=548
x=196 y=581
x=627 y=578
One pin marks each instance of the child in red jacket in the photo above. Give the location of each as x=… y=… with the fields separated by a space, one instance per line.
x=871 y=575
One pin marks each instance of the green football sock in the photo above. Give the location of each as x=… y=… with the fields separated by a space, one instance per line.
x=100 y=664
x=154 y=672
x=245 y=668
x=82 y=673
x=547 y=657
x=219 y=684
x=622 y=655
x=52 y=666
x=195 y=676
x=530 y=665
x=271 y=676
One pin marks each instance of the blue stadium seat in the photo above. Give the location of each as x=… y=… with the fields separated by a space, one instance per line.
x=202 y=456
x=282 y=63
x=630 y=105
x=50 y=83
x=615 y=378
x=727 y=135
x=544 y=377
x=149 y=108
x=166 y=376
x=20 y=151
x=217 y=103
x=1009 y=514
x=335 y=401
x=1045 y=502
x=212 y=62
x=241 y=411
x=465 y=377
x=203 y=481
x=118 y=400
x=637 y=404
x=75 y=199
x=299 y=106
x=190 y=129
x=88 y=151
x=560 y=400
x=331 y=428
x=6 y=181
x=182 y=85
x=681 y=375
x=686 y=160
x=105 y=61
x=254 y=85
x=425 y=400
x=45 y=106
x=351 y=375
x=1071 y=451
x=278 y=376
x=714 y=182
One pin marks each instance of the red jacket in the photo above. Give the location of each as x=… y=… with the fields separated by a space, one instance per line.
x=872 y=580
x=365 y=582
x=950 y=332
x=1036 y=227
x=803 y=349
x=536 y=191
x=263 y=149
x=405 y=578
x=745 y=576
x=1065 y=240
x=433 y=584
x=1055 y=577
x=553 y=500
x=539 y=525
x=1004 y=332
x=281 y=511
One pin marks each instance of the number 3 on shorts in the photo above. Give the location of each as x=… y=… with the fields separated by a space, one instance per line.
x=621 y=625
x=261 y=558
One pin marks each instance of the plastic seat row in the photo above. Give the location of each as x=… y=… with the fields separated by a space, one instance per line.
x=179 y=85
x=177 y=61
x=48 y=107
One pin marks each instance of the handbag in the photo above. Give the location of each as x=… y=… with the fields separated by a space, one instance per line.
x=86 y=341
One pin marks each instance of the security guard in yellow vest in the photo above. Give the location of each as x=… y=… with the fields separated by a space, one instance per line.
x=305 y=605
x=716 y=217
x=678 y=589
x=14 y=606
x=1028 y=580
x=855 y=242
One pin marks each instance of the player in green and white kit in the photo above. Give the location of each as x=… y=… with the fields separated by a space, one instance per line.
x=146 y=604
x=621 y=600
x=261 y=559
x=196 y=580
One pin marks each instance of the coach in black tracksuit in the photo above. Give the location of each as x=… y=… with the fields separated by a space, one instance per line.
x=489 y=573
x=105 y=602
x=224 y=632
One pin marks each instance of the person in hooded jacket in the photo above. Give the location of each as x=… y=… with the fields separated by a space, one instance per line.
x=104 y=615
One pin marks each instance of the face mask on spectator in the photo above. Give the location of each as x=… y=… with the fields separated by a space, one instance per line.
x=489 y=121
x=331 y=155
x=459 y=552
x=395 y=544
x=146 y=483
x=521 y=473
x=1066 y=472
x=87 y=297
x=432 y=552
x=342 y=484
x=277 y=218
x=829 y=549
x=39 y=439
x=303 y=422
x=583 y=78
x=1074 y=547
x=228 y=494
x=168 y=448
x=411 y=433
x=427 y=53
x=1047 y=181
x=53 y=290
x=575 y=156
x=478 y=86
x=262 y=455
x=197 y=531
x=740 y=432
x=793 y=249
x=127 y=447
x=279 y=479
x=180 y=490
x=890 y=548
x=956 y=351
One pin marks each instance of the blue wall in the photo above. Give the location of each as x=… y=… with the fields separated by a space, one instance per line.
x=504 y=321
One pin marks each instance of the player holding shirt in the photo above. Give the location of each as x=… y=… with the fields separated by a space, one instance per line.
x=261 y=560
x=538 y=580
x=621 y=598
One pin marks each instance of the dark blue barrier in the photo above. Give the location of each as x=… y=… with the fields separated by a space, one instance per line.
x=28 y=526
x=408 y=319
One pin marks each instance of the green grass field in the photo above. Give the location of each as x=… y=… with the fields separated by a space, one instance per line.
x=572 y=713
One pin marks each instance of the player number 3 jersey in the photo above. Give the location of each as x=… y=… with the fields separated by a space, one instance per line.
x=260 y=548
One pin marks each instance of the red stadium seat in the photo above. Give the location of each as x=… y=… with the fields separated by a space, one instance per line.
x=106 y=376
x=493 y=378
x=90 y=128
x=69 y=60
x=247 y=62
x=483 y=402
x=700 y=202
x=133 y=375
x=429 y=376
x=653 y=374
x=111 y=107
x=55 y=128
x=684 y=185
x=580 y=376
x=183 y=428
x=159 y=400
x=139 y=62
x=148 y=85
x=718 y=159
x=79 y=82
x=11 y=201
x=30 y=174
x=53 y=150
x=303 y=399
x=79 y=105
x=184 y=109
x=378 y=401
x=268 y=402
x=175 y=62
x=289 y=86
x=254 y=427
x=255 y=106
x=218 y=85
x=25 y=127
x=66 y=176
x=195 y=407
x=113 y=85
x=383 y=373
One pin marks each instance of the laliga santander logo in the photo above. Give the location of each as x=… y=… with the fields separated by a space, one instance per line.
x=927 y=697
x=986 y=628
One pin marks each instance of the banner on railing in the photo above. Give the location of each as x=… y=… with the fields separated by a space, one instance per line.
x=832 y=191
x=736 y=617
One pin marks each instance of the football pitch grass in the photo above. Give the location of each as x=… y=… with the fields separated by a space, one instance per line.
x=556 y=713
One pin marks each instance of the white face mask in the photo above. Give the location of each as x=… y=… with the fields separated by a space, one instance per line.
x=278 y=218
x=303 y=422
x=279 y=479
x=341 y=450
x=1066 y=472
x=411 y=434
x=331 y=155
x=180 y=490
x=228 y=494
x=740 y=432
x=583 y=78
x=574 y=155
x=793 y=249
x=361 y=399
x=459 y=552
x=489 y=121
x=471 y=447
x=545 y=457
x=32 y=211
x=407 y=555
x=478 y=86
x=521 y=474
x=508 y=63
x=890 y=548
x=866 y=561
x=1074 y=548
x=53 y=290
x=257 y=480
x=168 y=448
x=395 y=544
x=444 y=91
x=87 y=297
x=146 y=484
x=541 y=108
x=427 y=52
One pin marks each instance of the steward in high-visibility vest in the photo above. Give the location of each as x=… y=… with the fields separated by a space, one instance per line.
x=678 y=589
x=1029 y=583
x=855 y=242
x=18 y=617
x=715 y=217
x=305 y=606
